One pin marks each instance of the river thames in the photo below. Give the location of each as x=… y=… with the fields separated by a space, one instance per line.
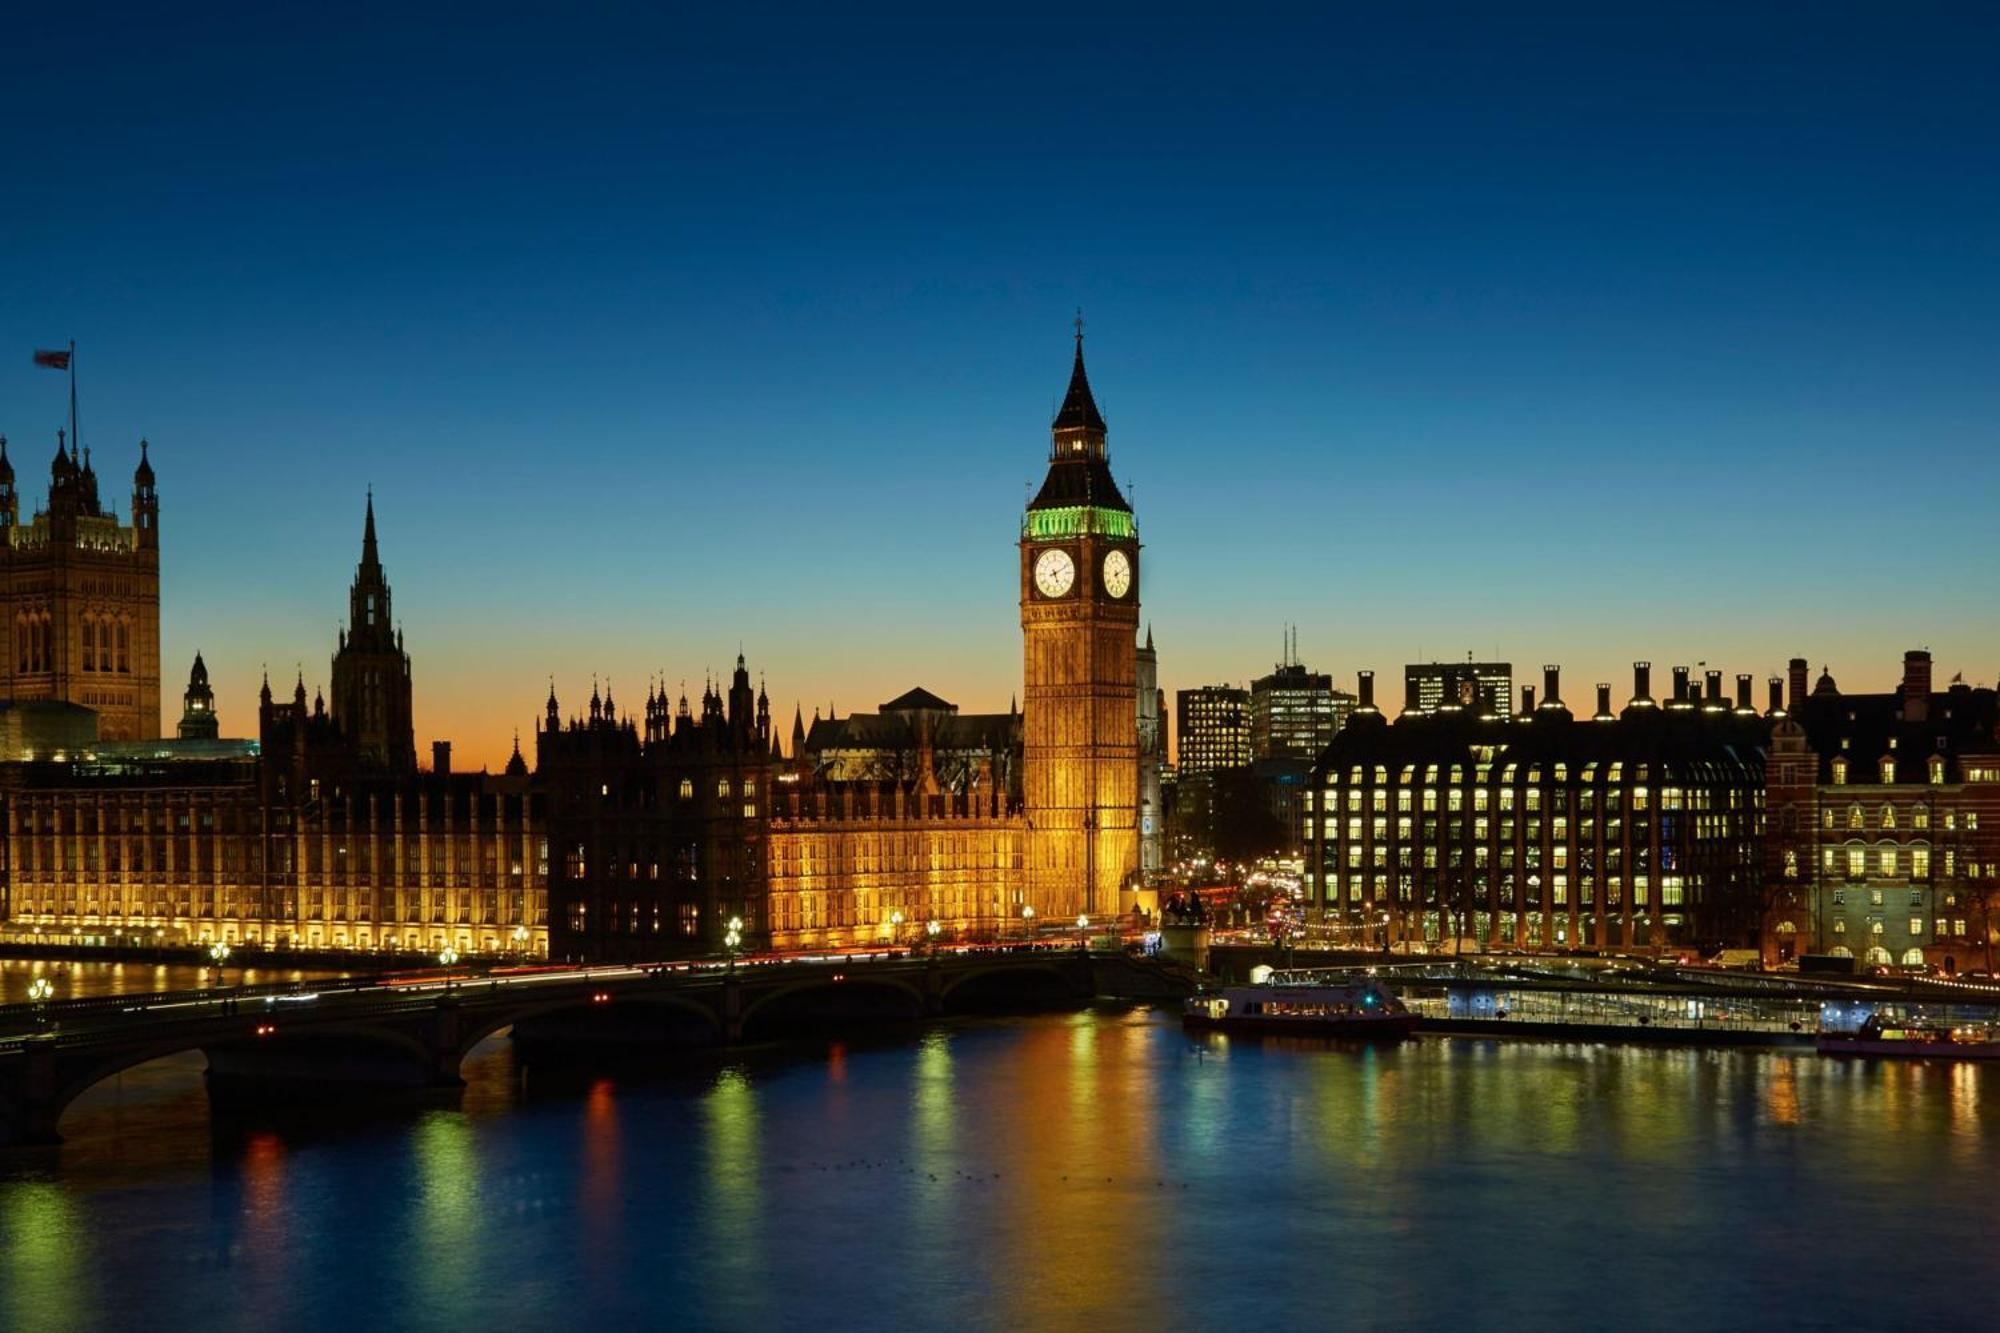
x=1098 y=1170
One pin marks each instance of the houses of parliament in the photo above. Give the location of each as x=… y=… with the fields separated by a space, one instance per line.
x=632 y=835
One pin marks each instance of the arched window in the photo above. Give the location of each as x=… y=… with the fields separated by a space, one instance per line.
x=722 y=789
x=1920 y=816
x=1787 y=928
x=1888 y=816
x=1913 y=958
x=1878 y=956
x=687 y=789
x=1855 y=819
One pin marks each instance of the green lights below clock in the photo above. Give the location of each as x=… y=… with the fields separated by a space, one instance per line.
x=1078 y=521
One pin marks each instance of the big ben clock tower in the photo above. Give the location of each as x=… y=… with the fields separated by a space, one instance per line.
x=1079 y=630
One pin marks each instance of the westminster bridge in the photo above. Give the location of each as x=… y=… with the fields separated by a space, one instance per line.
x=412 y=1031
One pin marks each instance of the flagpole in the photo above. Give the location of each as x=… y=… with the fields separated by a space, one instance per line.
x=72 y=396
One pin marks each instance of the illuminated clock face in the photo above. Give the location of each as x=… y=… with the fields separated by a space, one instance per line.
x=1117 y=573
x=1054 y=573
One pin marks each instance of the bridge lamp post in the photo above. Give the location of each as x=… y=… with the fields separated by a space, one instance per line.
x=447 y=957
x=732 y=939
x=219 y=951
x=931 y=928
x=896 y=926
x=1082 y=931
x=39 y=991
x=1027 y=921
x=521 y=940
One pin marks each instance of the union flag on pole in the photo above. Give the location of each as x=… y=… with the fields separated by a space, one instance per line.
x=53 y=360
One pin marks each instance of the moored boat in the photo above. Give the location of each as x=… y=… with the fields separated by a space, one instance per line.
x=1899 y=1039
x=1356 y=1010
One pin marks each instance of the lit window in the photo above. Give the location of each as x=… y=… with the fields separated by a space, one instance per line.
x=1885 y=859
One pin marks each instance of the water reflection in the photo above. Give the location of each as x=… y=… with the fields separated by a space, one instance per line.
x=42 y=1251
x=87 y=980
x=1100 y=1170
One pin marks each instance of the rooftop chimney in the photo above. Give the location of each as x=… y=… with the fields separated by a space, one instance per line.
x=1680 y=699
x=1604 y=701
x=1527 y=698
x=1795 y=694
x=1713 y=679
x=1552 y=686
x=1916 y=685
x=1777 y=696
x=1743 y=704
x=441 y=757
x=1642 y=685
x=1365 y=687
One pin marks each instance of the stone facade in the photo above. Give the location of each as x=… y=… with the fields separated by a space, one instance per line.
x=80 y=597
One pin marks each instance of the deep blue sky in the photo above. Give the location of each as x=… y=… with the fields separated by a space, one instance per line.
x=1563 y=331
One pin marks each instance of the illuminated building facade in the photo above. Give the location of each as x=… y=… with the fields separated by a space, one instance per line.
x=1433 y=685
x=1885 y=823
x=1630 y=830
x=1079 y=628
x=80 y=597
x=1212 y=729
x=1295 y=713
x=1152 y=760
x=306 y=838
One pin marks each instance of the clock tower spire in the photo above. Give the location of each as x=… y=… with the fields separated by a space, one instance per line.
x=1079 y=553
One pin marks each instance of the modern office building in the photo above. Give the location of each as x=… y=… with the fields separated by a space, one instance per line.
x=1432 y=685
x=1212 y=729
x=1294 y=713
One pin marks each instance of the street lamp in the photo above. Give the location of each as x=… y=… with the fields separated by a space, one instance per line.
x=447 y=957
x=1082 y=931
x=218 y=951
x=39 y=991
x=896 y=926
x=1027 y=921
x=521 y=940
x=931 y=928
x=732 y=939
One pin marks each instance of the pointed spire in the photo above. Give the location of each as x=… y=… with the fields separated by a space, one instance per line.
x=370 y=557
x=1079 y=409
x=143 y=474
x=1149 y=636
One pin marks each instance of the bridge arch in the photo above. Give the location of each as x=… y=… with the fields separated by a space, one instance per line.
x=1012 y=982
x=35 y=1104
x=823 y=1000
x=624 y=1003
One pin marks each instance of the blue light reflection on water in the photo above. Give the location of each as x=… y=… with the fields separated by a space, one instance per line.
x=1099 y=1170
